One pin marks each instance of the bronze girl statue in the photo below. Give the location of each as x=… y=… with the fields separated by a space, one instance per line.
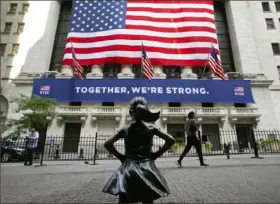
x=138 y=179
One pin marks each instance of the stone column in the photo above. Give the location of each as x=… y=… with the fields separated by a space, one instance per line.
x=187 y=73
x=96 y=72
x=44 y=17
x=159 y=74
x=66 y=72
x=126 y=71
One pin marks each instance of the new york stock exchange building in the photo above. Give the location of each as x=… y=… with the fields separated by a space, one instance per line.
x=37 y=38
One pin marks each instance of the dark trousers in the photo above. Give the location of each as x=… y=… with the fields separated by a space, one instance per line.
x=193 y=141
x=29 y=156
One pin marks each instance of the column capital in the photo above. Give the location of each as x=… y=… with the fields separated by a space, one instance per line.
x=96 y=72
x=187 y=73
x=66 y=72
x=126 y=71
x=159 y=74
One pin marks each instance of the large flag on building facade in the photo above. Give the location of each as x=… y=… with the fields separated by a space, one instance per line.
x=147 y=67
x=177 y=32
x=215 y=64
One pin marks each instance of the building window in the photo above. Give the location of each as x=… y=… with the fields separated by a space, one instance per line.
x=276 y=48
x=270 y=23
x=13 y=8
x=240 y=105
x=2 y=49
x=265 y=6
x=8 y=28
x=278 y=68
x=174 y=104
x=15 y=49
x=277 y=5
x=108 y=104
x=207 y=105
x=75 y=103
x=25 y=8
x=20 y=28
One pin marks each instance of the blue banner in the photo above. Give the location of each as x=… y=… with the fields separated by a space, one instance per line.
x=156 y=90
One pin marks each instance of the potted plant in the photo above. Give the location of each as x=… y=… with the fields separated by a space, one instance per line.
x=270 y=145
x=207 y=147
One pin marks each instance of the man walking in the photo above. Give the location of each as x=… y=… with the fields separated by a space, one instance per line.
x=192 y=140
x=31 y=146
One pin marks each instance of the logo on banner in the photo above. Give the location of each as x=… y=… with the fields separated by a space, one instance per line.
x=45 y=90
x=239 y=91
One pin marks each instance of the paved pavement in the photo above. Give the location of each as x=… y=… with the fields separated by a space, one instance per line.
x=238 y=180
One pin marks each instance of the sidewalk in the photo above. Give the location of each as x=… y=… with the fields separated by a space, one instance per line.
x=53 y=167
x=238 y=180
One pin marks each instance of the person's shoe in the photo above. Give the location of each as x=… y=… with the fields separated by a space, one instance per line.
x=204 y=165
x=179 y=163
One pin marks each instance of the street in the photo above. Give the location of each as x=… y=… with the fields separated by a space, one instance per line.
x=238 y=180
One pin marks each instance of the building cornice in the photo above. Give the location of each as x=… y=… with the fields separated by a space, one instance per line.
x=26 y=78
x=257 y=80
x=274 y=88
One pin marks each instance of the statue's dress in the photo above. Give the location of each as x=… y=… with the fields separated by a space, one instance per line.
x=138 y=177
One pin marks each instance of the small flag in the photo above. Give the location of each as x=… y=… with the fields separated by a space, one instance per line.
x=215 y=64
x=78 y=69
x=147 y=67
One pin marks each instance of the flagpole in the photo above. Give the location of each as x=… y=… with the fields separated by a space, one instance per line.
x=206 y=62
x=141 y=60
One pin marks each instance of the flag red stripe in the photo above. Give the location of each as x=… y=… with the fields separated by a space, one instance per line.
x=124 y=60
x=143 y=37
x=172 y=30
x=138 y=48
x=152 y=2
x=170 y=10
x=175 y=20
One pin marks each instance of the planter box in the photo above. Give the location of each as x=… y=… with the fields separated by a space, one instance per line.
x=271 y=147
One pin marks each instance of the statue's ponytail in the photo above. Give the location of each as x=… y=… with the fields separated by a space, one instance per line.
x=140 y=111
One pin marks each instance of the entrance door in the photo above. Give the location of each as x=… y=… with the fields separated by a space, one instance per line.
x=213 y=133
x=244 y=135
x=176 y=130
x=71 y=137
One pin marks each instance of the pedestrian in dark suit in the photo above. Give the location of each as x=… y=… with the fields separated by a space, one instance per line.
x=191 y=129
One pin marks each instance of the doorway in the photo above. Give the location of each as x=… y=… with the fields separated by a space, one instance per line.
x=244 y=136
x=176 y=130
x=72 y=133
x=213 y=134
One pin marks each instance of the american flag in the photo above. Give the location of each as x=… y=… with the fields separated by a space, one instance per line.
x=177 y=32
x=215 y=64
x=78 y=69
x=45 y=88
x=147 y=67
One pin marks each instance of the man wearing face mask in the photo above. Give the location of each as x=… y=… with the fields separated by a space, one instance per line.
x=192 y=140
